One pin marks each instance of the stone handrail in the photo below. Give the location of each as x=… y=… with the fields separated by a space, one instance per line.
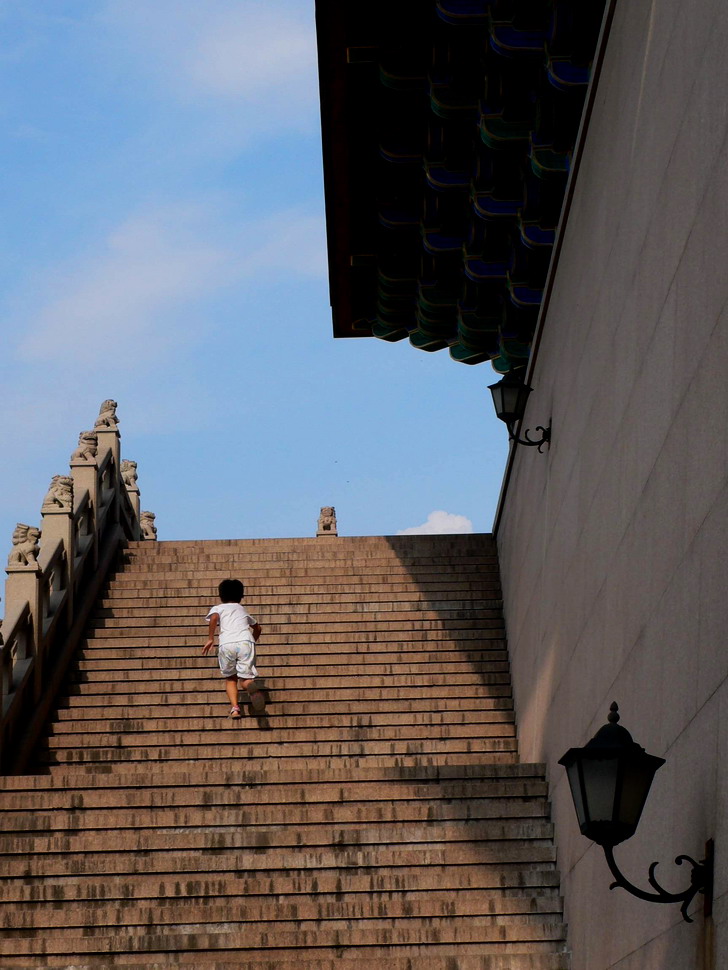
x=54 y=578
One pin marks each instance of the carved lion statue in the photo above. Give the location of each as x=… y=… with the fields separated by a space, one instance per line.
x=88 y=446
x=327 y=521
x=60 y=493
x=149 y=529
x=129 y=472
x=107 y=415
x=25 y=545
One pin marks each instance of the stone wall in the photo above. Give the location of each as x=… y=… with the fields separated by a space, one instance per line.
x=613 y=544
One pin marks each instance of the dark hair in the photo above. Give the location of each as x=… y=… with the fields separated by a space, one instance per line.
x=231 y=591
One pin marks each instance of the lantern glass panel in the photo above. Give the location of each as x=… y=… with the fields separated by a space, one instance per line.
x=600 y=786
x=510 y=396
x=574 y=775
x=636 y=781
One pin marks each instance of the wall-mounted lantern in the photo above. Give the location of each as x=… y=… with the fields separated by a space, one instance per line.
x=610 y=779
x=509 y=397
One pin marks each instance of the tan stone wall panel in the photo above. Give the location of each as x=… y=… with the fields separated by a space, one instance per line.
x=613 y=545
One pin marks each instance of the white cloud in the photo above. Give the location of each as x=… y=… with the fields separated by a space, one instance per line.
x=250 y=49
x=292 y=240
x=118 y=295
x=255 y=53
x=135 y=295
x=440 y=523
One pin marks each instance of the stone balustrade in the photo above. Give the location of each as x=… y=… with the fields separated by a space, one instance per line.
x=54 y=575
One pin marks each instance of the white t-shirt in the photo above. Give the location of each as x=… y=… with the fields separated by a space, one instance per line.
x=235 y=622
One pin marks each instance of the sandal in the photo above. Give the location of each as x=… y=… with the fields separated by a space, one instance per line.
x=235 y=713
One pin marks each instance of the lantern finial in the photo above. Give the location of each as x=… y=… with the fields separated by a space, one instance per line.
x=613 y=715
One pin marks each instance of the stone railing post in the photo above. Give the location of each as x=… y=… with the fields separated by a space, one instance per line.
x=57 y=523
x=135 y=499
x=129 y=478
x=85 y=478
x=109 y=440
x=23 y=583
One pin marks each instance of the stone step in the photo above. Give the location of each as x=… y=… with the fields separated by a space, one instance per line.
x=380 y=569
x=144 y=682
x=185 y=795
x=216 y=835
x=447 y=957
x=360 y=547
x=93 y=657
x=103 y=761
x=329 y=632
x=203 y=858
x=239 y=744
x=346 y=649
x=298 y=578
x=441 y=957
x=309 y=626
x=326 y=931
x=294 y=604
x=186 y=618
x=344 y=719
x=229 y=734
x=317 y=698
x=200 y=669
x=457 y=540
x=79 y=707
x=281 y=764
x=346 y=548
x=507 y=934
x=193 y=775
x=489 y=880
x=300 y=734
x=433 y=903
x=453 y=639
x=364 y=560
x=281 y=813
x=331 y=591
x=286 y=589
x=251 y=570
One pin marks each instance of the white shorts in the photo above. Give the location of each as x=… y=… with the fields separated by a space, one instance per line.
x=237 y=658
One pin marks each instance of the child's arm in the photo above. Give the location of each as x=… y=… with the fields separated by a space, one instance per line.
x=214 y=620
x=257 y=628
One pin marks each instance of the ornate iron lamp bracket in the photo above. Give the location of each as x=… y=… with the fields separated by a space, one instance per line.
x=543 y=440
x=701 y=881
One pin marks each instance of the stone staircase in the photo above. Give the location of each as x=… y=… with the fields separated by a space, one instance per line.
x=377 y=812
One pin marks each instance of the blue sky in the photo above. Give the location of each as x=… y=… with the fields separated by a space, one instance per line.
x=163 y=244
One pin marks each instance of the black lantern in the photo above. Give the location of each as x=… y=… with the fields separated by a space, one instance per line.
x=510 y=396
x=610 y=779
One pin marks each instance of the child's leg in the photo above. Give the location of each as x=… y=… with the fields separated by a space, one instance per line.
x=231 y=687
